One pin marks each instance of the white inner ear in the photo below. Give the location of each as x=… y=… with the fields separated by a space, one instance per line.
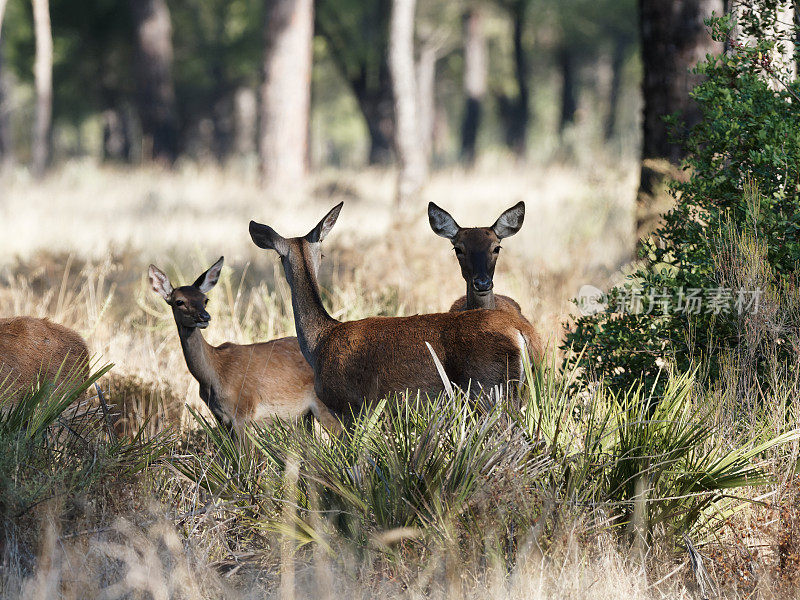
x=509 y=223
x=443 y=224
x=159 y=282
x=211 y=278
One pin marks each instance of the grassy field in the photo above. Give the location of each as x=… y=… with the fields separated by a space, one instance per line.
x=204 y=522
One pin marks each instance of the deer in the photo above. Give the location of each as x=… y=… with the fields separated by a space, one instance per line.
x=356 y=363
x=240 y=383
x=34 y=351
x=477 y=250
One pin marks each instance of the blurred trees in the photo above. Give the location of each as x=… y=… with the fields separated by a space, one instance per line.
x=674 y=38
x=165 y=79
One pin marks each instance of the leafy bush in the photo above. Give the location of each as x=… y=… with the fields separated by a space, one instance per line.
x=741 y=201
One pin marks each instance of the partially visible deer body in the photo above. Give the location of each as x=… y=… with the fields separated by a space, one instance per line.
x=361 y=361
x=37 y=350
x=477 y=250
x=240 y=383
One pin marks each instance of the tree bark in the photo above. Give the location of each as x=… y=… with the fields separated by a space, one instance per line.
x=377 y=106
x=3 y=4
x=6 y=131
x=516 y=111
x=475 y=75
x=286 y=91
x=673 y=40
x=617 y=65
x=569 y=102
x=245 y=121
x=426 y=97
x=43 y=76
x=155 y=87
x=413 y=168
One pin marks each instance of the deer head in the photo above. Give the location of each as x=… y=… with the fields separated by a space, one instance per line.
x=188 y=302
x=477 y=248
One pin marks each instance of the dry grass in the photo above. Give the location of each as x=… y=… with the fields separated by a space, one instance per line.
x=77 y=247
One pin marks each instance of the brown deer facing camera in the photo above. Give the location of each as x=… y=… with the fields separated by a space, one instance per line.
x=477 y=250
x=240 y=383
x=361 y=361
x=37 y=350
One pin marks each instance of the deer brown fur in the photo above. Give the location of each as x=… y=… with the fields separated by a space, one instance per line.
x=37 y=350
x=361 y=361
x=477 y=250
x=240 y=383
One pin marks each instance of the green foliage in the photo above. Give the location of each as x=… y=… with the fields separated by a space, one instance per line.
x=647 y=465
x=448 y=467
x=744 y=168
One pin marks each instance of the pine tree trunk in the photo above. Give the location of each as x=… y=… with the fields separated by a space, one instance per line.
x=569 y=102
x=43 y=76
x=413 y=168
x=617 y=65
x=155 y=87
x=286 y=91
x=475 y=72
x=6 y=131
x=377 y=106
x=2 y=14
x=516 y=111
x=673 y=40
x=426 y=98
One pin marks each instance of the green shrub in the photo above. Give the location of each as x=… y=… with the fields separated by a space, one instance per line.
x=742 y=198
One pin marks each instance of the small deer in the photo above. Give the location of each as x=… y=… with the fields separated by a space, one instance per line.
x=477 y=250
x=35 y=350
x=357 y=362
x=240 y=383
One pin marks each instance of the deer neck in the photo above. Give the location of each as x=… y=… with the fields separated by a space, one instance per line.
x=475 y=300
x=312 y=322
x=198 y=355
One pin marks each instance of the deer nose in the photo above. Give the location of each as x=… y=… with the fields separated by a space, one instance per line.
x=482 y=283
x=204 y=317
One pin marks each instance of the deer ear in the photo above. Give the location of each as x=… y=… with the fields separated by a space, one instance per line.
x=209 y=279
x=159 y=282
x=510 y=221
x=325 y=225
x=441 y=222
x=266 y=237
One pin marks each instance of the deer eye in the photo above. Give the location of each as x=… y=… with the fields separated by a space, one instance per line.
x=178 y=302
x=497 y=250
x=459 y=251
x=205 y=302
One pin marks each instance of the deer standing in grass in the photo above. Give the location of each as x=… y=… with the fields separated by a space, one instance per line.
x=35 y=350
x=362 y=361
x=477 y=250
x=240 y=383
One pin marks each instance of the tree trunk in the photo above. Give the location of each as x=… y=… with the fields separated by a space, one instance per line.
x=569 y=102
x=155 y=87
x=426 y=98
x=617 y=65
x=43 y=76
x=516 y=111
x=286 y=91
x=2 y=14
x=377 y=105
x=6 y=131
x=673 y=39
x=245 y=121
x=116 y=135
x=475 y=71
x=413 y=169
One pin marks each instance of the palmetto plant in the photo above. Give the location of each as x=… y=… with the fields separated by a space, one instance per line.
x=57 y=441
